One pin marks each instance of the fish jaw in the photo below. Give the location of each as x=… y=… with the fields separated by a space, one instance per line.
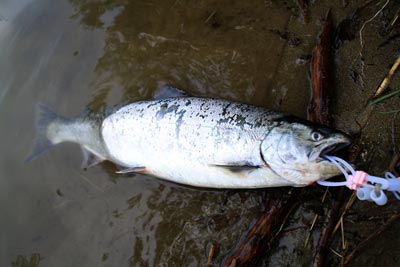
x=335 y=142
x=303 y=174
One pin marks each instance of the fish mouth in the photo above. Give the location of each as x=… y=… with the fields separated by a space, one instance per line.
x=329 y=147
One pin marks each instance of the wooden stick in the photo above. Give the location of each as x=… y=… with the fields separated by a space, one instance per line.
x=211 y=255
x=322 y=71
x=349 y=204
x=329 y=225
x=315 y=220
x=322 y=76
x=260 y=236
x=384 y=84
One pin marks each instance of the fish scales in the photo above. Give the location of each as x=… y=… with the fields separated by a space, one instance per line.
x=207 y=130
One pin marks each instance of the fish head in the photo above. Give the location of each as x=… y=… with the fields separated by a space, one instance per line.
x=295 y=149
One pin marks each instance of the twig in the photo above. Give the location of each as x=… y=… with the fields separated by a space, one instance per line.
x=336 y=253
x=290 y=230
x=284 y=221
x=368 y=21
x=342 y=232
x=329 y=224
x=350 y=203
x=310 y=230
x=384 y=84
x=375 y=234
x=210 y=255
x=396 y=17
x=361 y=36
x=211 y=15
x=315 y=219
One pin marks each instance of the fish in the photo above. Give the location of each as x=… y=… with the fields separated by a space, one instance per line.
x=200 y=142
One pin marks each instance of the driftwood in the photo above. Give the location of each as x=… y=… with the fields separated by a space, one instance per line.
x=260 y=236
x=322 y=76
x=331 y=218
x=319 y=110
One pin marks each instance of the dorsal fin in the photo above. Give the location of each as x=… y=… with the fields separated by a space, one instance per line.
x=166 y=91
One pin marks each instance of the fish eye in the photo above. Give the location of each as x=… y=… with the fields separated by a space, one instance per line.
x=316 y=136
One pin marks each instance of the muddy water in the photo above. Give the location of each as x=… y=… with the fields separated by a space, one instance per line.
x=77 y=54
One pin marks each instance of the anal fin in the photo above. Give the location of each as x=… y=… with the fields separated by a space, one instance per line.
x=132 y=169
x=90 y=159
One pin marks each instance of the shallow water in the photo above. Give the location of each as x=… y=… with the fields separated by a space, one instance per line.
x=77 y=54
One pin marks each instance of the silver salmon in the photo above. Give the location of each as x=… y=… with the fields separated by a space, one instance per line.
x=200 y=142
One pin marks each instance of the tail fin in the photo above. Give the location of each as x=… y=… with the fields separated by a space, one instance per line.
x=44 y=116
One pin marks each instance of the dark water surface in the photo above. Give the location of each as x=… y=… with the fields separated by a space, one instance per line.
x=76 y=54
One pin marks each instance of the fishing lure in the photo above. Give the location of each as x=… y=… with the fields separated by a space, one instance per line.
x=368 y=187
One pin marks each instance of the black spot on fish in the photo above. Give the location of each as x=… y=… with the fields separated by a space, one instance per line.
x=154 y=103
x=258 y=122
x=165 y=109
x=179 y=122
x=224 y=110
x=222 y=121
x=239 y=119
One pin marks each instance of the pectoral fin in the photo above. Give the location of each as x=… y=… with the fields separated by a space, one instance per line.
x=133 y=169
x=237 y=167
x=89 y=158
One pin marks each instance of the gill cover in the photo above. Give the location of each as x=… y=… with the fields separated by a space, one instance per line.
x=293 y=150
x=287 y=144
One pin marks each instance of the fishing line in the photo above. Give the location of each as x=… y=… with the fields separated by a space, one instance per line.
x=368 y=187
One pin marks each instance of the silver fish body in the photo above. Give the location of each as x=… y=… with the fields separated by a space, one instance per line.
x=204 y=142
